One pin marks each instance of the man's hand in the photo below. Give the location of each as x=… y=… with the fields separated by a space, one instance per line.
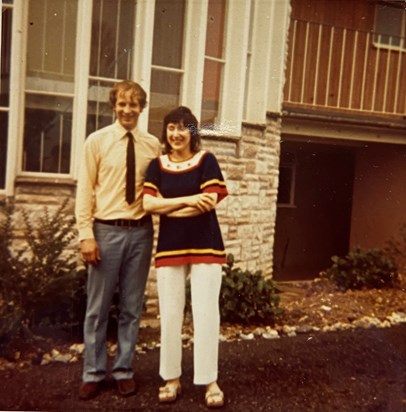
x=90 y=251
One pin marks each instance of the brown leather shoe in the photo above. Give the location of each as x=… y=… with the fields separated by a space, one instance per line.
x=89 y=390
x=126 y=387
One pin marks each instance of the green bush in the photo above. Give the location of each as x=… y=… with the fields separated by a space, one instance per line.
x=361 y=268
x=396 y=248
x=40 y=283
x=247 y=297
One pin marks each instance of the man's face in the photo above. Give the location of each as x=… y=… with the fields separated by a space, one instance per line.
x=127 y=109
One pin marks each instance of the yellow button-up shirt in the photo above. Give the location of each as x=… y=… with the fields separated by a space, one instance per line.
x=102 y=177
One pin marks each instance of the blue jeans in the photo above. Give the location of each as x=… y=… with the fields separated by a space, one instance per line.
x=125 y=261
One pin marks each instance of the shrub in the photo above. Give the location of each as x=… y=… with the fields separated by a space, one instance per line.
x=247 y=297
x=396 y=248
x=363 y=269
x=39 y=284
x=10 y=311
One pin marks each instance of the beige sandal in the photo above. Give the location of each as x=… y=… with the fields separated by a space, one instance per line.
x=170 y=392
x=214 y=399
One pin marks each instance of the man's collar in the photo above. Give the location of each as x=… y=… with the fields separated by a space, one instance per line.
x=122 y=131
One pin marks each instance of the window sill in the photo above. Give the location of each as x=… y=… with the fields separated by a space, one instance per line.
x=45 y=180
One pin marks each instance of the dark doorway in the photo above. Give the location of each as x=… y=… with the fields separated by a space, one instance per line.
x=314 y=209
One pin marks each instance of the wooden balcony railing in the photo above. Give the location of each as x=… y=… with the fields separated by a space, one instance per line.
x=334 y=68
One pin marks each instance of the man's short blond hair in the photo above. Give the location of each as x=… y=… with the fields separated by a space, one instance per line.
x=125 y=86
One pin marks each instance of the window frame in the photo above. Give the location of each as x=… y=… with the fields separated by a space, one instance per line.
x=236 y=38
x=45 y=93
x=17 y=83
x=6 y=108
x=292 y=167
x=377 y=38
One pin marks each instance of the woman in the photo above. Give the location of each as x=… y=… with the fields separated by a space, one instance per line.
x=184 y=186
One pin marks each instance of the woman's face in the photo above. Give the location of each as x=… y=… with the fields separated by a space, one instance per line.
x=178 y=137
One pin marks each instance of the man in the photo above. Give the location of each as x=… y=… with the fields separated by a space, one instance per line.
x=115 y=234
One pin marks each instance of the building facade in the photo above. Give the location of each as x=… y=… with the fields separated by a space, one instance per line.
x=60 y=58
x=343 y=153
x=302 y=102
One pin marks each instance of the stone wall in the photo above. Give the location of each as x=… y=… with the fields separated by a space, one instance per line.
x=247 y=216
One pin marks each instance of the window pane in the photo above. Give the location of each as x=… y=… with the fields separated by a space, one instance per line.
x=213 y=68
x=164 y=97
x=215 y=28
x=388 y=24
x=168 y=33
x=167 y=52
x=112 y=38
x=6 y=19
x=3 y=147
x=51 y=45
x=47 y=134
x=211 y=92
x=99 y=112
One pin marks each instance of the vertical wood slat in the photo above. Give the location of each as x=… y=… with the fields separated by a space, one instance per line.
x=329 y=66
x=340 y=76
x=349 y=67
x=364 y=71
x=375 y=77
x=395 y=103
x=316 y=72
x=304 y=64
x=292 y=61
x=388 y=65
x=354 y=56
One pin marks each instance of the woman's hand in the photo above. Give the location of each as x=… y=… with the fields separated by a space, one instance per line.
x=204 y=202
x=196 y=205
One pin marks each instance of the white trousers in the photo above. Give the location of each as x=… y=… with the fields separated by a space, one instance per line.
x=205 y=281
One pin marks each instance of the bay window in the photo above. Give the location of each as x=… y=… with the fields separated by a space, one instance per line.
x=183 y=52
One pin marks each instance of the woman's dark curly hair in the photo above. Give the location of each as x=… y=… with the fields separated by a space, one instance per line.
x=182 y=115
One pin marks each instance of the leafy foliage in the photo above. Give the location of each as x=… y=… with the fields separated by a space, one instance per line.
x=396 y=248
x=247 y=297
x=361 y=268
x=10 y=313
x=40 y=283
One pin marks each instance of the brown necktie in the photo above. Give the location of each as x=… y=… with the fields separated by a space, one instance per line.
x=130 y=176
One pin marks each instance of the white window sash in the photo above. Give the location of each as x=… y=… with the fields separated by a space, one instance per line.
x=236 y=47
x=142 y=56
x=17 y=82
x=82 y=68
x=193 y=54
